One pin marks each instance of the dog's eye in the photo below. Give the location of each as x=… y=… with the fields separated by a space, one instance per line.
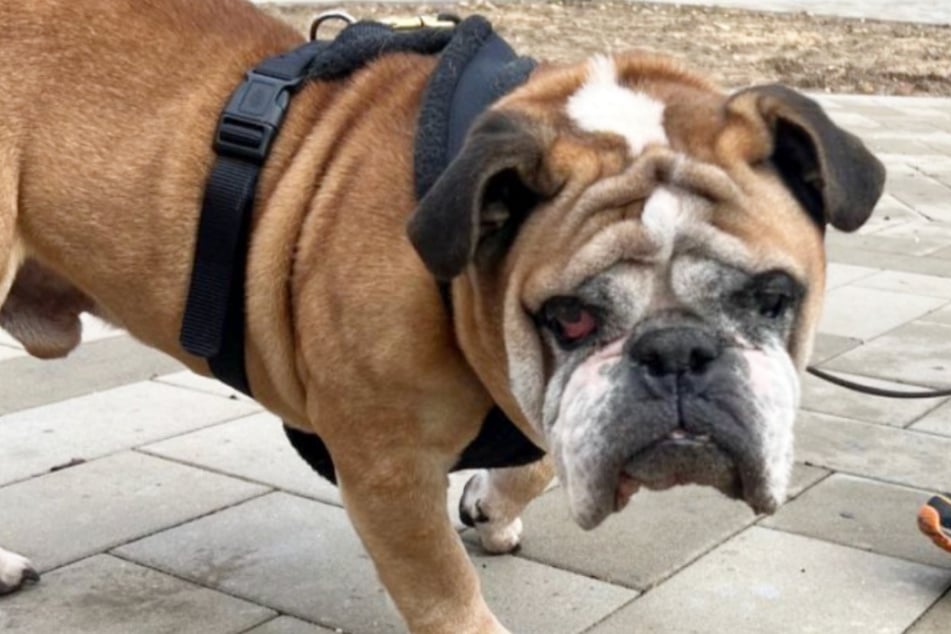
x=774 y=305
x=568 y=319
x=774 y=294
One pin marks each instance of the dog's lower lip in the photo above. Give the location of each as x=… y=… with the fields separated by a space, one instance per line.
x=650 y=467
x=626 y=488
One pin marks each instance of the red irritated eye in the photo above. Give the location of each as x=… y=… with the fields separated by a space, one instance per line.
x=579 y=326
x=569 y=319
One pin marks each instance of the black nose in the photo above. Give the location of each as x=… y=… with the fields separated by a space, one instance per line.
x=675 y=351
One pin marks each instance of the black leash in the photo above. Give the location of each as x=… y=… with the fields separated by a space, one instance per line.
x=876 y=391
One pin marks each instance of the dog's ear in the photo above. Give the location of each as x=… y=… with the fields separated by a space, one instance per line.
x=474 y=208
x=831 y=173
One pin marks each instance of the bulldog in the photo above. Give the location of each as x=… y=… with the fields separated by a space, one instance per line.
x=634 y=258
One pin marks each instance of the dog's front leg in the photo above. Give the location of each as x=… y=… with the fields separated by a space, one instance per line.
x=15 y=570
x=397 y=502
x=494 y=499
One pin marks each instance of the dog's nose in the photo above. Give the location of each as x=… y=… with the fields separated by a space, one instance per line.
x=675 y=351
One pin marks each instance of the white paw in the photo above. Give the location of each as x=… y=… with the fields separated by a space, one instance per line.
x=14 y=571
x=481 y=507
x=500 y=538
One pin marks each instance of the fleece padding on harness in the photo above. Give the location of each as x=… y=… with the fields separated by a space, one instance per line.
x=474 y=70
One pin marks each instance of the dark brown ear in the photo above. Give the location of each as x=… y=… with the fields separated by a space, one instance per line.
x=829 y=170
x=474 y=208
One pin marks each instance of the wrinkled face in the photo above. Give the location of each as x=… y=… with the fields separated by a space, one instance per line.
x=651 y=271
x=669 y=366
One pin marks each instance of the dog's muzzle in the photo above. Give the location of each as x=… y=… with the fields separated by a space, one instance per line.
x=679 y=404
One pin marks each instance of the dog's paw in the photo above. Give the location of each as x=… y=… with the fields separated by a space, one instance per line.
x=15 y=570
x=499 y=539
x=498 y=533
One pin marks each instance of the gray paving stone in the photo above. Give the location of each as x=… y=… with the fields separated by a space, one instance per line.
x=892 y=261
x=943 y=254
x=9 y=352
x=930 y=285
x=864 y=514
x=656 y=535
x=898 y=143
x=854 y=121
x=192 y=381
x=298 y=556
x=940 y=316
x=888 y=244
x=922 y=230
x=253 y=447
x=935 y=620
x=864 y=313
x=917 y=353
x=289 y=625
x=937 y=421
x=821 y=396
x=107 y=502
x=530 y=597
x=303 y=558
x=889 y=213
x=876 y=451
x=926 y=195
x=105 y=595
x=100 y=365
x=33 y=441
x=769 y=581
x=826 y=347
x=841 y=274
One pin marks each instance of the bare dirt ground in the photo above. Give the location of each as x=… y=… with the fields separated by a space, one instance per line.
x=735 y=47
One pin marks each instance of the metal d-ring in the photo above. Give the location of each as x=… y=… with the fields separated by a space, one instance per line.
x=329 y=16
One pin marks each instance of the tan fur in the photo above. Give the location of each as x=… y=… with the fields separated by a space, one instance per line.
x=104 y=152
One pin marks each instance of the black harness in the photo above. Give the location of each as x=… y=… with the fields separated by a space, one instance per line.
x=475 y=68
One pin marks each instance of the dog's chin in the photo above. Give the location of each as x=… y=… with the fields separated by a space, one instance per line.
x=690 y=459
x=684 y=460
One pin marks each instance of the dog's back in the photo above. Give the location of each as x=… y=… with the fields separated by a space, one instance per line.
x=84 y=83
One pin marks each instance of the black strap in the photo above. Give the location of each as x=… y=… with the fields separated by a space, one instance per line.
x=476 y=67
x=877 y=391
x=213 y=326
x=213 y=323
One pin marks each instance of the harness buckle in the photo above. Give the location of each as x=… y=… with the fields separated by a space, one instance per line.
x=250 y=121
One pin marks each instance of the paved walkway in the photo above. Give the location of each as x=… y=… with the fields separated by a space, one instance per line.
x=931 y=11
x=184 y=510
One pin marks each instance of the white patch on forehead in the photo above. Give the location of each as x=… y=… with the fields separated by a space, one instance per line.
x=603 y=105
x=663 y=216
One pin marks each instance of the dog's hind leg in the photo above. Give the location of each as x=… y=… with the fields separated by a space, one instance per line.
x=494 y=499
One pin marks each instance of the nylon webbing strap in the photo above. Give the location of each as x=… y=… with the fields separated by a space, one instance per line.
x=213 y=324
x=213 y=328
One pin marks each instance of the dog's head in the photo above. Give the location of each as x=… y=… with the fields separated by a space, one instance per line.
x=639 y=269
